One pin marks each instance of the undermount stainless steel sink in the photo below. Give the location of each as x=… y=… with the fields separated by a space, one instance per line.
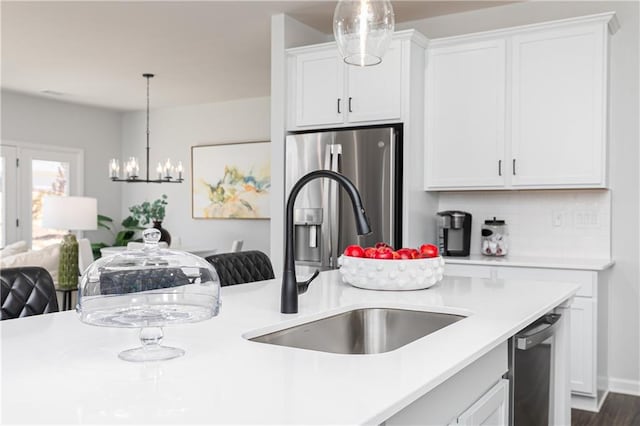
x=361 y=331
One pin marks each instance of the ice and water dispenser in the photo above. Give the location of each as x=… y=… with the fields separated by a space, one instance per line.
x=308 y=234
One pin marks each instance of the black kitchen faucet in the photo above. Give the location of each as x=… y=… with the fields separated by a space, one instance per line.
x=290 y=285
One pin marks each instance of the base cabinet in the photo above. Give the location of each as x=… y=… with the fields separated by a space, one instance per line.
x=491 y=409
x=583 y=342
x=584 y=313
x=477 y=395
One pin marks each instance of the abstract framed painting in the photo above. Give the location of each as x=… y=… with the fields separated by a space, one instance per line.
x=231 y=181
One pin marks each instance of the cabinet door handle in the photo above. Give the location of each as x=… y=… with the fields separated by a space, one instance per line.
x=339 y=106
x=499 y=167
x=513 y=166
x=350 y=98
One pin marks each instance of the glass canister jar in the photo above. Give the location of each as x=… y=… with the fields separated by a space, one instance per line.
x=494 y=238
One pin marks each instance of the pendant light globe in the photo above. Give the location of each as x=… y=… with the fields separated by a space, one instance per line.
x=363 y=30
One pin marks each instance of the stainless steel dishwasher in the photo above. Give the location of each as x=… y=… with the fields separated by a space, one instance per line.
x=531 y=372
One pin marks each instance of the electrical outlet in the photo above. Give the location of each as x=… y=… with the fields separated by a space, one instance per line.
x=557 y=217
x=586 y=218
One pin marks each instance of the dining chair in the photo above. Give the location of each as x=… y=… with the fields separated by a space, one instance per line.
x=26 y=291
x=85 y=254
x=241 y=267
x=236 y=246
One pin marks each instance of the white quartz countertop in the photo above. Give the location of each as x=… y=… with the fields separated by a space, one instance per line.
x=533 y=262
x=57 y=370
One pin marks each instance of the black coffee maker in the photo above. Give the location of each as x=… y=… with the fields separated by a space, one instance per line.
x=454 y=233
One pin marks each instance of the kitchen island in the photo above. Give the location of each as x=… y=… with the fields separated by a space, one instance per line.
x=57 y=370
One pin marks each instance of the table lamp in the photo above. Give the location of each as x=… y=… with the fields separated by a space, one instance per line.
x=71 y=214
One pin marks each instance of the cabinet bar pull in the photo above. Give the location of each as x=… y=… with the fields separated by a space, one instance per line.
x=338 y=105
x=514 y=166
x=350 y=110
x=499 y=167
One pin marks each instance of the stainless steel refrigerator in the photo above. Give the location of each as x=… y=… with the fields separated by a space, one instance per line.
x=371 y=157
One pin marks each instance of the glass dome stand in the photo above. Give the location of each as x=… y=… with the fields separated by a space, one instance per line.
x=151 y=350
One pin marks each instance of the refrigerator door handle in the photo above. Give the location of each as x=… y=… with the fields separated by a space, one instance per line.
x=392 y=192
x=334 y=212
x=326 y=253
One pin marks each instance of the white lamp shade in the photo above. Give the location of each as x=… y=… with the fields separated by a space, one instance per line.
x=70 y=213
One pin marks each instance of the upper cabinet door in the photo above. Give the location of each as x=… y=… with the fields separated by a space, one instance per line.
x=375 y=92
x=558 y=132
x=465 y=116
x=319 y=88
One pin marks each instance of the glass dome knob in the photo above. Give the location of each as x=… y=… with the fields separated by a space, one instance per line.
x=151 y=237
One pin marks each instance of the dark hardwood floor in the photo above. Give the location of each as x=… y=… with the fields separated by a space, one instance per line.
x=617 y=410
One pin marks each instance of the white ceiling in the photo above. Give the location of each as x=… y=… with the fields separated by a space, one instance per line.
x=204 y=51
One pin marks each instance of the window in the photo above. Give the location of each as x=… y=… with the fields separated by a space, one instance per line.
x=47 y=178
x=29 y=173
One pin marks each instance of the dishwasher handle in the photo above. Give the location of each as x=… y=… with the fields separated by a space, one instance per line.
x=537 y=332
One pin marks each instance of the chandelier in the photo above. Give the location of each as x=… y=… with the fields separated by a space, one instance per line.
x=363 y=30
x=166 y=172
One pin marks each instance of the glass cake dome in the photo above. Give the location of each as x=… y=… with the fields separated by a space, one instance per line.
x=149 y=288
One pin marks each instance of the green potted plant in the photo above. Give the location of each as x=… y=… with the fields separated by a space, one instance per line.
x=130 y=228
x=141 y=214
x=152 y=212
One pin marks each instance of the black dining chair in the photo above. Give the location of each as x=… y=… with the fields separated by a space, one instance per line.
x=241 y=267
x=26 y=291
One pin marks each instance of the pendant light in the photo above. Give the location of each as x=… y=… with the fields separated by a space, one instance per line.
x=167 y=173
x=363 y=30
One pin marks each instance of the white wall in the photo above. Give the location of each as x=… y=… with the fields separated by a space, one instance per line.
x=43 y=121
x=580 y=230
x=624 y=299
x=173 y=132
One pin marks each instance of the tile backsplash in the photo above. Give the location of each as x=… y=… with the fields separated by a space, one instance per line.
x=567 y=223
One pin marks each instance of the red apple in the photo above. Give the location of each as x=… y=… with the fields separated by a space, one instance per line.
x=354 y=251
x=383 y=244
x=428 y=250
x=384 y=254
x=370 y=252
x=405 y=253
x=385 y=249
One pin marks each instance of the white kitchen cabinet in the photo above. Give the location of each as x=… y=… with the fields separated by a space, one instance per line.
x=558 y=123
x=374 y=93
x=476 y=393
x=583 y=345
x=584 y=313
x=465 y=121
x=326 y=92
x=519 y=108
x=319 y=86
x=491 y=409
